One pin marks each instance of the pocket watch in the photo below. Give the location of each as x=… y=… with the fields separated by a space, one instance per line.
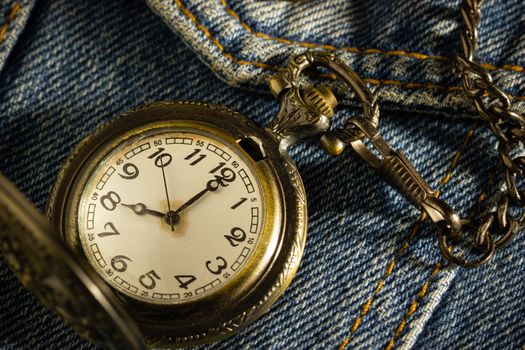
x=180 y=223
x=175 y=224
x=192 y=215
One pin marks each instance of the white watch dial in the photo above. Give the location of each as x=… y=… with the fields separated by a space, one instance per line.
x=171 y=216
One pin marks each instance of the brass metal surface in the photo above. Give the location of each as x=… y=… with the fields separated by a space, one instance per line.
x=59 y=280
x=275 y=261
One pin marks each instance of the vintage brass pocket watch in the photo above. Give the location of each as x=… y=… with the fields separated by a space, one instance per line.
x=189 y=212
x=177 y=223
x=180 y=223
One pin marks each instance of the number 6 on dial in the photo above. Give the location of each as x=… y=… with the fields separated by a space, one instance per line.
x=190 y=213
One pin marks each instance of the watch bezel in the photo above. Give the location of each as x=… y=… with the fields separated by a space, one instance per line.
x=261 y=281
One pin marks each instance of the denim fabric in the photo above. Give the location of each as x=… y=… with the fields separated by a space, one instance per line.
x=403 y=48
x=14 y=17
x=372 y=272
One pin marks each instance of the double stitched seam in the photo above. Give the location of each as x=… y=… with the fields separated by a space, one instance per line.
x=436 y=270
x=377 y=82
x=413 y=306
x=356 y=50
x=365 y=309
x=11 y=17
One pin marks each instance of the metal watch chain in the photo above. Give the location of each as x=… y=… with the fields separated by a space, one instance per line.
x=497 y=225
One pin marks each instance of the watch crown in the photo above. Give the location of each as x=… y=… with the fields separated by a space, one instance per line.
x=321 y=99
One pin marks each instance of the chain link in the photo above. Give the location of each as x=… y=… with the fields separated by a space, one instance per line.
x=497 y=227
x=505 y=215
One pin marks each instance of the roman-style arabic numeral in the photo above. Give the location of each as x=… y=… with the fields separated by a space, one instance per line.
x=161 y=160
x=118 y=263
x=159 y=151
x=148 y=280
x=220 y=267
x=214 y=170
x=110 y=200
x=236 y=205
x=112 y=231
x=237 y=236
x=194 y=153
x=185 y=280
x=227 y=175
x=130 y=171
x=201 y=157
x=189 y=156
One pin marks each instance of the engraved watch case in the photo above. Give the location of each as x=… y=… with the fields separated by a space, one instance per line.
x=277 y=256
x=41 y=253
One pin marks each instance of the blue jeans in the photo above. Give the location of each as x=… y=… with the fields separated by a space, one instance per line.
x=372 y=275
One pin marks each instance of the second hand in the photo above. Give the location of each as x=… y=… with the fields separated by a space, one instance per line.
x=167 y=195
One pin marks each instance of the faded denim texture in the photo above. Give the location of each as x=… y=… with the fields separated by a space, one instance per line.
x=372 y=276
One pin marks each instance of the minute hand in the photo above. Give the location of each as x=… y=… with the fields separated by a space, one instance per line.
x=191 y=201
x=213 y=185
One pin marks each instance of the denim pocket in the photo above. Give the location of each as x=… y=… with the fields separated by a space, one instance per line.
x=404 y=49
x=372 y=276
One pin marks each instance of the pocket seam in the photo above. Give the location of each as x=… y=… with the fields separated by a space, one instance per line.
x=362 y=51
x=377 y=82
x=365 y=308
x=438 y=267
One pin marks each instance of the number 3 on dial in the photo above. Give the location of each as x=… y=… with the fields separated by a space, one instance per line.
x=220 y=267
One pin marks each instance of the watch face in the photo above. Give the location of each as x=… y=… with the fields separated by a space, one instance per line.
x=171 y=216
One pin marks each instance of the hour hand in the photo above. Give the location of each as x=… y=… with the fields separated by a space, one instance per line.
x=141 y=209
x=227 y=176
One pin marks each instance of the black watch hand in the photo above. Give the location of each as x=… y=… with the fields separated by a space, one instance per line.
x=191 y=201
x=170 y=216
x=227 y=175
x=141 y=209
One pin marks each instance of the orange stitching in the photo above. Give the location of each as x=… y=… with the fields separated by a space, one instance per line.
x=366 y=307
x=12 y=15
x=229 y=56
x=402 y=53
x=437 y=268
x=455 y=159
x=413 y=306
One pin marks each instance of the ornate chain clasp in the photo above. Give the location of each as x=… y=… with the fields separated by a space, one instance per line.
x=397 y=170
x=302 y=112
x=308 y=113
x=305 y=113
